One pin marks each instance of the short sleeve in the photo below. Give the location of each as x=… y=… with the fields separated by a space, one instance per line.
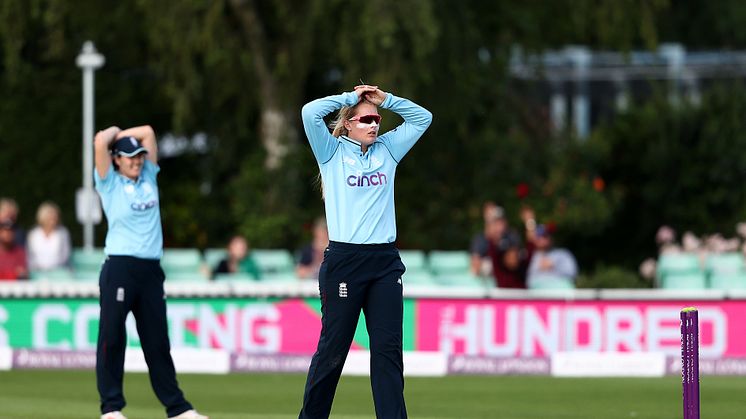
x=150 y=171
x=104 y=184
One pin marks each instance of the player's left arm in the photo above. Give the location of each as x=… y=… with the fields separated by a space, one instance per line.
x=416 y=120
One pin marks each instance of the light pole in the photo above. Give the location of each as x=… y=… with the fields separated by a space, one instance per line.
x=87 y=205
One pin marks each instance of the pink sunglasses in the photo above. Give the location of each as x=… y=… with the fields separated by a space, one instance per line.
x=367 y=119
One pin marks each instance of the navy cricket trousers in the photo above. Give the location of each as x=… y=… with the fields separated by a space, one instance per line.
x=354 y=277
x=132 y=284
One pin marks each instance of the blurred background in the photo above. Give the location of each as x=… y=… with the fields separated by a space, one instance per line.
x=610 y=134
x=609 y=119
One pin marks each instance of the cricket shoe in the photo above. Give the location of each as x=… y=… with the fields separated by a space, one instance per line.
x=113 y=415
x=189 y=414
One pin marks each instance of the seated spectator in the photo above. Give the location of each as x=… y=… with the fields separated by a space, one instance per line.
x=12 y=256
x=548 y=260
x=239 y=259
x=48 y=244
x=9 y=211
x=665 y=237
x=312 y=254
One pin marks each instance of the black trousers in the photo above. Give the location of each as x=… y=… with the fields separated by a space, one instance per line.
x=136 y=285
x=354 y=277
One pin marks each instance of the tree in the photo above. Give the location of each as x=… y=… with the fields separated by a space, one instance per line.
x=40 y=104
x=239 y=71
x=680 y=166
x=271 y=48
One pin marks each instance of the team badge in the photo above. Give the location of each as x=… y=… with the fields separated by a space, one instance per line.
x=343 y=290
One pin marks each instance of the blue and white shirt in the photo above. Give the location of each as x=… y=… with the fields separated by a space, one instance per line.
x=563 y=265
x=359 y=187
x=133 y=212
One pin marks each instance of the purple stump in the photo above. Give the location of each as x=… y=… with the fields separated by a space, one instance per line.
x=690 y=362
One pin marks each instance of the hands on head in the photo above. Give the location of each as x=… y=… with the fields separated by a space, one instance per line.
x=370 y=94
x=109 y=134
x=105 y=138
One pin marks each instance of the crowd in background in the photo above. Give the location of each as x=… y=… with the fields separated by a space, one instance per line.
x=510 y=257
x=701 y=246
x=513 y=259
x=46 y=246
x=527 y=259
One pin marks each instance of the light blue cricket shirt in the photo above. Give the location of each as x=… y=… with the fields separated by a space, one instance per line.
x=359 y=188
x=133 y=212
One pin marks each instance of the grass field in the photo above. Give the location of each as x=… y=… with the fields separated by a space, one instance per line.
x=72 y=394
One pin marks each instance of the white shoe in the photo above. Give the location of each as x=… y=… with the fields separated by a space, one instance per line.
x=189 y=414
x=113 y=415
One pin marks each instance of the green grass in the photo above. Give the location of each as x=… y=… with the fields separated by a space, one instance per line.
x=72 y=394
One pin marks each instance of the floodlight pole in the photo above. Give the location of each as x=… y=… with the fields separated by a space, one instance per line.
x=89 y=60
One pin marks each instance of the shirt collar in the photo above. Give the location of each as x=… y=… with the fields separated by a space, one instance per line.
x=351 y=141
x=355 y=143
x=129 y=181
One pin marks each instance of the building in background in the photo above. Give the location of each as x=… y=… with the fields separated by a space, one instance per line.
x=581 y=87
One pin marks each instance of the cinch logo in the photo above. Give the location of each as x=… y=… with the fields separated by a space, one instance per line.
x=365 y=180
x=142 y=206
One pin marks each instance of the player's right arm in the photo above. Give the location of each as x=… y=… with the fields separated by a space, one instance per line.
x=101 y=145
x=322 y=142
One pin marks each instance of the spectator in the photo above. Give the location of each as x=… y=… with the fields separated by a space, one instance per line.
x=548 y=260
x=665 y=237
x=509 y=257
x=48 y=242
x=510 y=263
x=238 y=260
x=12 y=255
x=496 y=230
x=690 y=242
x=9 y=211
x=312 y=254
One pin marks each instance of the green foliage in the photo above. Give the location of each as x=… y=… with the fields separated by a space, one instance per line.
x=239 y=71
x=679 y=165
x=386 y=53
x=40 y=104
x=702 y=24
x=611 y=277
